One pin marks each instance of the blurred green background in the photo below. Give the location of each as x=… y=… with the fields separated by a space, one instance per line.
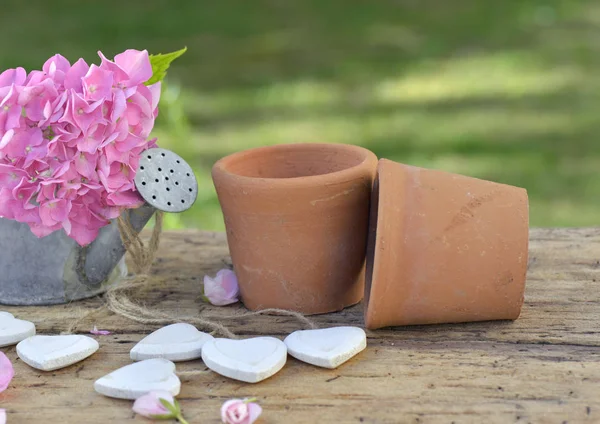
x=507 y=90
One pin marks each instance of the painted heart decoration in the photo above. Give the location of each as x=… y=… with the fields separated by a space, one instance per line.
x=48 y=353
x=249 y=360
x=175 y=342
x=328 y=347
x=13 y=330
x=135 y=380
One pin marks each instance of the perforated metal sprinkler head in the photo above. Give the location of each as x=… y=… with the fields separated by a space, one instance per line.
x=166 y=181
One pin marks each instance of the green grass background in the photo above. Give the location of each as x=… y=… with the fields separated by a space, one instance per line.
x=507 y=90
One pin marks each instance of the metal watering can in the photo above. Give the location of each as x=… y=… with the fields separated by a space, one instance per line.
x=55 y=269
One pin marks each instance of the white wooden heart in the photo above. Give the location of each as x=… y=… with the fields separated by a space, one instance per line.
x=137 y=379
x=328 y=347
x=13 y=330
x=175 y=342
x=249 y=360
x=48 y=353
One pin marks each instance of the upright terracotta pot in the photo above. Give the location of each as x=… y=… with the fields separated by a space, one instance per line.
x=297 y=220
x=444 y=248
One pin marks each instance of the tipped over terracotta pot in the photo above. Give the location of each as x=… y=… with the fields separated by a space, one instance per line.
x=444 y=248
x=297 y=221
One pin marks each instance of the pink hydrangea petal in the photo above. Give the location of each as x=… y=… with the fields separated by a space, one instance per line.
x=118 y=73
x=136 y=64
x=56 y=63
x=82 y=114
x=66 y=225
x=97 y=332
x=10 y=110
x=85 y=164
x=54 y=212
x=6 y=138
x=229 y=283
x=11 y=176
x=254 y=411
x=223 y=289
x=73 y=77
x=83 y=234
x=155 y=91
x=128 y=199
x=119 y=105
x=41 y=230
x=15 y=76
x=97 y=84
x=6 y=372
x=215 y=293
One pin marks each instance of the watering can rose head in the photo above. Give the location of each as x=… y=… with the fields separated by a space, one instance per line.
x=71 y=137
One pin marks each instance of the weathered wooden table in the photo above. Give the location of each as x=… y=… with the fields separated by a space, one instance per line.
x=542 y=368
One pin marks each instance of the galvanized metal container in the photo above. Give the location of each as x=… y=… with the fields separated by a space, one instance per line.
x=55 y=269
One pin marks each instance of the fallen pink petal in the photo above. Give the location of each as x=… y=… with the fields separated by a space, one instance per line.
x=6 y=372
x=97 y=332
x=150 y=405
x=240 y=411
x=223 y=289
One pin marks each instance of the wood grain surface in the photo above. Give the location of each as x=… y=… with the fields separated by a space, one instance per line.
x=542 y=368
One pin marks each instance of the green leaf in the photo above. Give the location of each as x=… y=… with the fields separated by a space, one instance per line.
x=173 y=408
x=160 y=63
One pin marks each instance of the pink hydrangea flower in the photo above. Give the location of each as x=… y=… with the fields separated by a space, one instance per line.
x=6 y=372
x=240 y=411
x=70 y=141
x=223 y=289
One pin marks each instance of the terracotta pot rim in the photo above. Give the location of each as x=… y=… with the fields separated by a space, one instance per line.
x=368 y=157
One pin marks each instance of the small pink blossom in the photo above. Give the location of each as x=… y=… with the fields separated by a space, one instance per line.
x=136 y=65
x=159 y=405
x=238 y=411
x=74 y=76
x=97 y=84
x=13 y=76
x=6 y=372
x=150 y=404
x=97 y=332
x=2 y=416
x=223 y=289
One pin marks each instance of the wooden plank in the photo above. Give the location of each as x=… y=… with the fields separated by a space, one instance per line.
x=544 y=367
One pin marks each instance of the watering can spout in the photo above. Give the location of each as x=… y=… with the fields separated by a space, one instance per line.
x=96 y=261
